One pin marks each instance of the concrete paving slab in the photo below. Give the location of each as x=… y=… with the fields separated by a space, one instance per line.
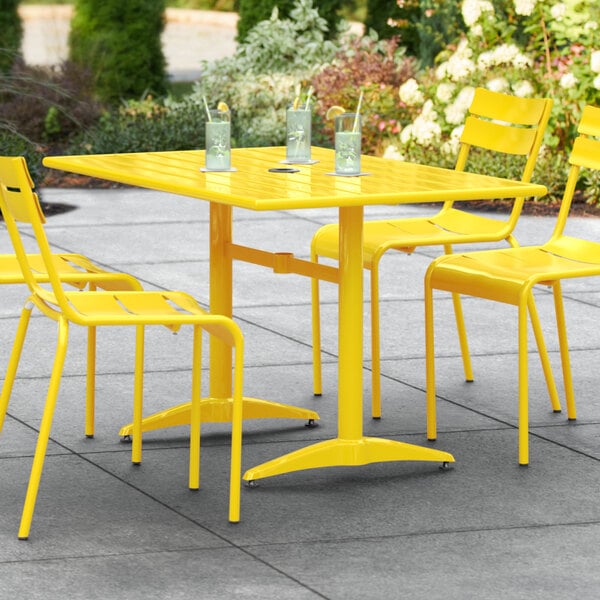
x=176 y=575
x=123 y=244
x=162 y=391
x=18 y=439
x=579 y=436
x=534 y=563
x=494 y=392
x=485 y=490
x=83 y=510
x=124 y=206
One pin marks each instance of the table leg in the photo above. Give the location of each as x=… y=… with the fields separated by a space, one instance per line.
x=350 y=448
x=217 y=407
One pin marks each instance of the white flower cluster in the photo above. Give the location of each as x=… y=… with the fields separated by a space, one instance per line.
x=450 y=147
x=498 y=84
x=445 y=92
x=503 y=55
x=459 y=67
x=567 y=81
x=392 y=151
x=524 y=7
x=595 y=67
x=558 y=11
x=424 y=130
x=472 y=10
x=455 y=113
x=523 y=89
x=410 y=93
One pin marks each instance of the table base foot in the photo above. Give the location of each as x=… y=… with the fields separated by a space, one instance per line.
x=218 y=410
x=341 y=452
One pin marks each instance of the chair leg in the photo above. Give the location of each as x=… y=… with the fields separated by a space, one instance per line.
x=316 y=333
x=430 y=361
x=236 y=430
x=462 y=337
x=523 y=383
x=544 y=358
x=375 y=342
x=138 y=396
x=13 y=363
x=44 y=434
x=194 y=474
x=564 y=351
x=461 y=329
x=90 y=385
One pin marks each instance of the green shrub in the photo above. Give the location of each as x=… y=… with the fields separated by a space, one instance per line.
x=12 y=33
x=285 y=44
x=253 y=12
x=330 y=11
x=120 y=42
x=382 y=12
x=14 y=144
x=425 y=27
x=257 y=103
x=261 y=78
x=439 y=24
x=145 y=126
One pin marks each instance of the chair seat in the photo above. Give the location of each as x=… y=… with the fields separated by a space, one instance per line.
x=447 y=227
x=103 y=308
x=501 y=274
x=69 y=267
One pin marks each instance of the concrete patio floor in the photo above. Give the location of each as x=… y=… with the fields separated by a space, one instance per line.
x=486 y=529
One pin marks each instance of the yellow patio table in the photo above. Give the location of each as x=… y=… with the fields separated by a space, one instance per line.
x=253 y=186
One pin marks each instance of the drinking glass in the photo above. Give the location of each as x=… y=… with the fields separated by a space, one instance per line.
x=218 y=141
x=298 y=126
x=348 y=132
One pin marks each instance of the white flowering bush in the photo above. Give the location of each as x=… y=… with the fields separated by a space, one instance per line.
x=529 y=48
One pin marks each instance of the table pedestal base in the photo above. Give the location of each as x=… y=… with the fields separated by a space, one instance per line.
x=218 y=410
x=341 y=452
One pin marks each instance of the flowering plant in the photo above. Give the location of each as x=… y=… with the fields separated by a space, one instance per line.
x=522 y=47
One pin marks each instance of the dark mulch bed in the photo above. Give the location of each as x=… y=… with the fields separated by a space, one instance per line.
x=579 y=207
x=60 y=179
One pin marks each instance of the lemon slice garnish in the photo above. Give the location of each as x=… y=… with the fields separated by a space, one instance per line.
x=334 y=111
x=222 y=106
x=296 y=103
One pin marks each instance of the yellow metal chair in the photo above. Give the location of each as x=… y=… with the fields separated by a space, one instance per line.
x=19 y=204
x=509 y=275
x=80 y=272
x=496 y=122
